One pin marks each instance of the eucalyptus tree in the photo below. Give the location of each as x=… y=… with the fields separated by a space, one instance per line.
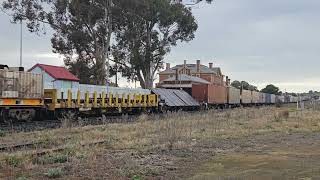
x=81 y=31
x=146 y=31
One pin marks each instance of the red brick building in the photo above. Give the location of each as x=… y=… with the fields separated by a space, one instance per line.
x=184 y=75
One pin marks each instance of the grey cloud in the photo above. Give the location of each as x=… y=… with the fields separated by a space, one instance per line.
x=261 y=41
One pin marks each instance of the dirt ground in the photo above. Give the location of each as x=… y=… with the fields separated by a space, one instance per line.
x=254 y=145
x=268 y=156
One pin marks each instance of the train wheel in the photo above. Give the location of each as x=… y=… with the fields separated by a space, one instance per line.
x=2 y=115
x=5 y=117
x=39 y=115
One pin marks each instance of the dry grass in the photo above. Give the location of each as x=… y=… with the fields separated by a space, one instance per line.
x=171 y=131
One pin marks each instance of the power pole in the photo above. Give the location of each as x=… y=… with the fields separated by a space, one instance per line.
x=21 y=43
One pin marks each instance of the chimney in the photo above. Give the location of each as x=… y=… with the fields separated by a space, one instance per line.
x=210 y=65
x=167 y=66
x=185 y=63
x=177 y=74
x=198 y=65
x=227 y=81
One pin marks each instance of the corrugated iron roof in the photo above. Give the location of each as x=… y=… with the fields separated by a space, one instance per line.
x=57 y=72
x=175 y=85
x=185 y=77
x=175 y=98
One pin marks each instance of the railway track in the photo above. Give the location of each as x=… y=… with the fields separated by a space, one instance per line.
x=32 y=147
x=29 y=126
x=22 y=126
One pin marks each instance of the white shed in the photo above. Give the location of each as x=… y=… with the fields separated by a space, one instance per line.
x=55 y=77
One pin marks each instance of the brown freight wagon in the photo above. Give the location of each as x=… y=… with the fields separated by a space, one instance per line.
x=20 y=85
x=211 y=94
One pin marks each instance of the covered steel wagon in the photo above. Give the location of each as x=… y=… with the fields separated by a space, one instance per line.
x=246 y=97
x=209 y=93
x=233 y=96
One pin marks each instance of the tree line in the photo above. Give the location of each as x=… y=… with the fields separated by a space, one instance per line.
x=133 y=34
x=271 y=89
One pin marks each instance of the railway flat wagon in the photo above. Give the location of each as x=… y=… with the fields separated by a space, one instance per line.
x=19 y=91
x=213 y=95
x=99 y=100
x=233 y=96
x=246 y=97
x=255 y=97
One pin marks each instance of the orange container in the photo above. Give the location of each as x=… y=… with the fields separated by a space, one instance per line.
x=211 y=94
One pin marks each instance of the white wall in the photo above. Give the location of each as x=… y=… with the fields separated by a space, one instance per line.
x=50 y=83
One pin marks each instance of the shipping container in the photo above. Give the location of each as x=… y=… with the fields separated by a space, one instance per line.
x=262 y=98
x=21 y=85
x=233 y=96
x=279 y=99
x=294 y=99
x=246 y=97
x=255 y=97
x=209 y=93
x=273 y=99
x=268 y=98
x=286 y=98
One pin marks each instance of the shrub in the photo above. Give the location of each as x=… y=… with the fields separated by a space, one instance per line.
x=136 y=177
x=51 y=159
x=22 y=178
x=67 y=119
x=3 y=133
x=268 y=126
x=13 y=161
x=279 y=115
x=54 y=173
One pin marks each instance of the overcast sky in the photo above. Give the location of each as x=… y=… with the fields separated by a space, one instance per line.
x=260 y=41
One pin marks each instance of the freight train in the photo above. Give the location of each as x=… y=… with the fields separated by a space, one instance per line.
x=23 y=97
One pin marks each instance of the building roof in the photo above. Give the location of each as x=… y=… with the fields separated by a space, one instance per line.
x=185 y=77
x=57 y=72
x=175 y=86
x=2 y=66
x=193 y=68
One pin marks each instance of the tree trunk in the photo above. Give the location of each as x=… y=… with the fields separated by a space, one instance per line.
x=102 y=53
x=148 y=77
x=100 y=73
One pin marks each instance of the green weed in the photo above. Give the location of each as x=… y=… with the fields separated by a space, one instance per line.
x=52 y=159
x=54 y=173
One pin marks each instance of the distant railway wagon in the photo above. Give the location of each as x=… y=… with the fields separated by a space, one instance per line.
x=280 y=99
x=246 y=97
x=233 y=96
x=273 y=99
x=268 y=99
x=262 y=98
x=255 y=97
x=210 y=94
